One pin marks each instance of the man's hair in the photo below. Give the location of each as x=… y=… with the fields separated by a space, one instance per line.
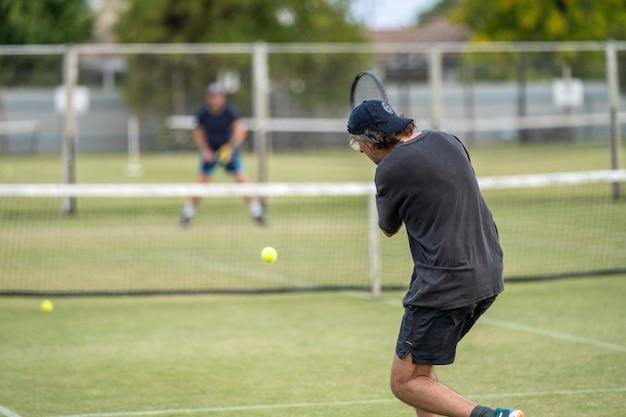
x=382 y=140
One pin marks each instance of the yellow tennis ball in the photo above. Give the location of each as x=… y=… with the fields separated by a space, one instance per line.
x=269 y=255
x=46 y=306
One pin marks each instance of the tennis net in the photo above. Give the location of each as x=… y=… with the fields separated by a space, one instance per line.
x=125 y=239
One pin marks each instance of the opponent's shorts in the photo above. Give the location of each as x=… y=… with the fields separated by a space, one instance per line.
x=431 y=335
x=235 y=166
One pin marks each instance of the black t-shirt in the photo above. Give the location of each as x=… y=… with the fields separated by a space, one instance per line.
x=217 y=128
x=429 y=184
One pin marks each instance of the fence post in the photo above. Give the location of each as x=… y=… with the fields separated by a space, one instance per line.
x=374 y=246
x=435 y=79
x=133 y=165
x=260 y=77
x=522 y=95
x=70 y=78
x=612 y=76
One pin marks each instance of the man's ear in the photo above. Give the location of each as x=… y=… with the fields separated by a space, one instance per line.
x=366 y=145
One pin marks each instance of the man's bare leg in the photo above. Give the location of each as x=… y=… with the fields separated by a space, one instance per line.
x=414 y=385
x=423 y=413
x=242 y=178
x=189 y=209
x=202 y=179
x=256 y=208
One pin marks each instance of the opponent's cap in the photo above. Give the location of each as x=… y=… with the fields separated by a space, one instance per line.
x=215 y=88
x=377 y=115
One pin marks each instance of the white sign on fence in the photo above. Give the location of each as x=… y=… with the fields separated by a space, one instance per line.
x=567 y=93
x=81 y=99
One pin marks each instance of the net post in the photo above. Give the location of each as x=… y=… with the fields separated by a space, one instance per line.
x=70 y=77
x=260 y=77
x=614 y=106
x=435 y=79
x=374 y=247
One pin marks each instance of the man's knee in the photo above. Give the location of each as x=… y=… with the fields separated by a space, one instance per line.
x=404 y=371
x=397 y=386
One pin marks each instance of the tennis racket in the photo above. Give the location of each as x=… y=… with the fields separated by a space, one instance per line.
x=225 y=154
x=367 y=86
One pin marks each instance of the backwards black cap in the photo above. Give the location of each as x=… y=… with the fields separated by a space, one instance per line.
x=376 y=115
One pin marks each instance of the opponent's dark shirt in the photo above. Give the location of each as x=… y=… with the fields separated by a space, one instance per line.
x=217 y=128
x=429 y=184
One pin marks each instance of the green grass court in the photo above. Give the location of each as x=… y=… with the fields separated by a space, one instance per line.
x=308 y=166
x=553 y=348
x=328 y=354
x=321 y=241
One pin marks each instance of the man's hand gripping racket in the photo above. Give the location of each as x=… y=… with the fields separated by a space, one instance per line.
x=225 y=154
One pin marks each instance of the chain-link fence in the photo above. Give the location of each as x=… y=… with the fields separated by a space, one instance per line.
x=295 y=96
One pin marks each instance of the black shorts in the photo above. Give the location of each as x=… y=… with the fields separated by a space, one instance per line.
x=431 y=335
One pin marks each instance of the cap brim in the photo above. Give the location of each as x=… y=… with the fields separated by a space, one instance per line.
x=393 y=125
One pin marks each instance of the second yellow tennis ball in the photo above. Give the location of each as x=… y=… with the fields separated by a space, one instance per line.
x=269 y=255
x=46 y=306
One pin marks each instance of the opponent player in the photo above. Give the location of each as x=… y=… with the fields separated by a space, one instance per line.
x=218 y=135
x=426 y=181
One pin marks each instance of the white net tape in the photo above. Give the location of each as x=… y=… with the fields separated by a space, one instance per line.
x=288 y=189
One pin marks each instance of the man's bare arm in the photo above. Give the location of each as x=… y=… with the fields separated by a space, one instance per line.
x=201 y=142
x=239 y=133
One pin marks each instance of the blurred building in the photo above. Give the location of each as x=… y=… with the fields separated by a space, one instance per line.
x=107 y=14
x=415 y=67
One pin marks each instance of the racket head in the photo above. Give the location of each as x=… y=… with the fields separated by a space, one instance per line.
x=224 y=154
x=367 y=86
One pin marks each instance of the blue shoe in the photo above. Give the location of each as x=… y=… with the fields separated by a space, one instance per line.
x=509 y=412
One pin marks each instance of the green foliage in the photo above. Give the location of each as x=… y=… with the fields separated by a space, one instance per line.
x=40 y=22
x=440 y=9
x=149 y=85
x=44 y=21
x=236 y=21
x=541 y=20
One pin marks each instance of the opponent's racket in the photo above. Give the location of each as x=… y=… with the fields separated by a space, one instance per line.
x=367 y=86
x=225 y=154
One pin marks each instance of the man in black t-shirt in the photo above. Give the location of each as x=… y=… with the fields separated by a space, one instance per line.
x=426 y=181
x=218 y=134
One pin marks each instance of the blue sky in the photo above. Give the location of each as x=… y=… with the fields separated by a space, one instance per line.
x=388 y=14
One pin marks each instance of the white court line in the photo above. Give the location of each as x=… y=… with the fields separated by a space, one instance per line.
x=8 y=413
x=527 y=329
x=549 y=333
x=332 y=403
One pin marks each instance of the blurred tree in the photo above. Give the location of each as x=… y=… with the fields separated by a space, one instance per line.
x=40 y=22
x=44 y=21
x=237 y=21
x=548 y=20
x=440 y=9
x=155 y=83
x=544 y=20
x=539 y=20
